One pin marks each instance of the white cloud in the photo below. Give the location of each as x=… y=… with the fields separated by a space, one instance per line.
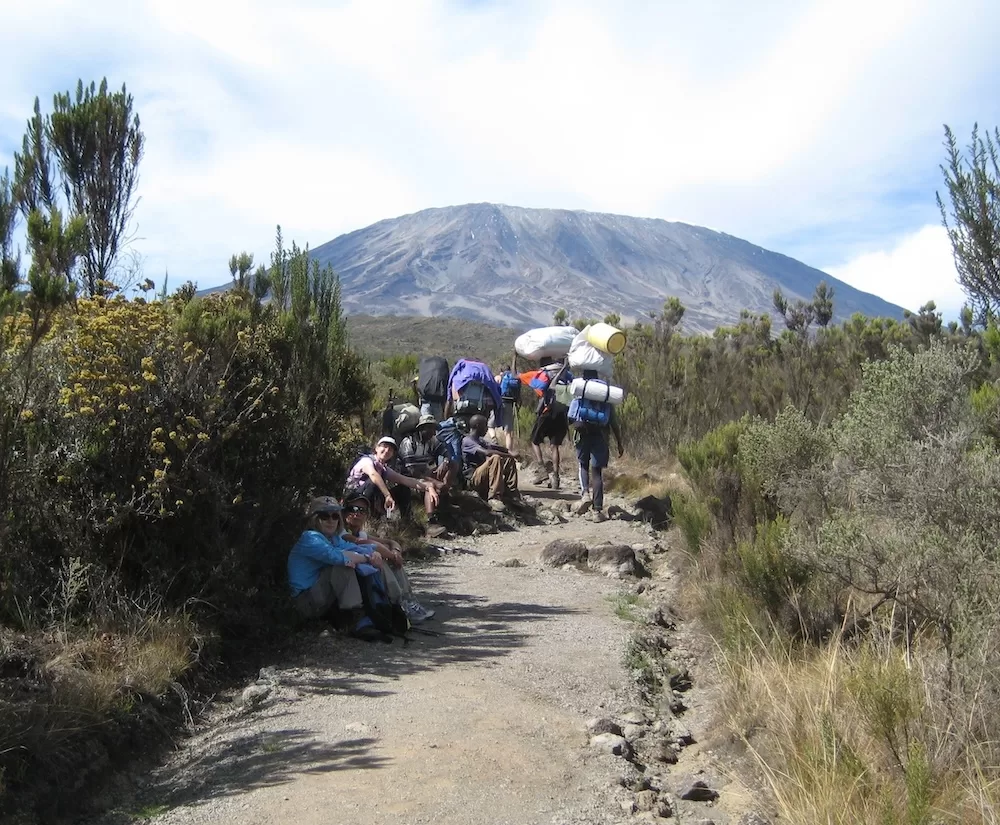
x=762 y=122
x=914 y=270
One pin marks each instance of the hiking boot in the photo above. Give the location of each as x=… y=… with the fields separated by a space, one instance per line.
x=367 y=632
x=435 y=530
x=599 y=516
x=555 y=481
x=541 y=476
x=582 y=506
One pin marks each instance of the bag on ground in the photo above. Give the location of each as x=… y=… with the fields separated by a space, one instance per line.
x=385 y=616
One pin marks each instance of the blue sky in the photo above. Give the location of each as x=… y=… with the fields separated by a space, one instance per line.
x=810 y=128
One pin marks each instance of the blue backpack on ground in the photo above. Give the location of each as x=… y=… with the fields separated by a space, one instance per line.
x=585 y=411
x=388 y=618
x=510 y=386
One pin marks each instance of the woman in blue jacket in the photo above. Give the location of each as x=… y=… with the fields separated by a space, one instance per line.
x=321 y=565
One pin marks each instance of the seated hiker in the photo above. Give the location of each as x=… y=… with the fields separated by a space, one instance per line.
x=593 y=451
x=397 y=583
x=371 y=476
x=424 y=456
x=491 y=470
x=321 y=565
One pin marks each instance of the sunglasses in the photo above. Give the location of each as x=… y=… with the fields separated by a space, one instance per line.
x=327 y=516
x=356 y=508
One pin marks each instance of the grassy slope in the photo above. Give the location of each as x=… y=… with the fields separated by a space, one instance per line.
x=454 y=338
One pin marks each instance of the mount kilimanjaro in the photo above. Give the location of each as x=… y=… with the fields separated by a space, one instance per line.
x=512 y=266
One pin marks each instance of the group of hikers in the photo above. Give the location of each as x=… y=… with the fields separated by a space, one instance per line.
x=458 y=433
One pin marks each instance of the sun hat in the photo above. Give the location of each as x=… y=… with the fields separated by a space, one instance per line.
x=427 y=418
x=323 y=504
x=388 y=439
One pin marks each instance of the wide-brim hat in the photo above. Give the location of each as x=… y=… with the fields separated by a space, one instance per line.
x=323 y=504
x=427 y=420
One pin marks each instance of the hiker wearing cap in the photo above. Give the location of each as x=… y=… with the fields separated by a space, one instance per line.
x=321 y=565
x=371 y=476
x=356 y=512
x=426 y=457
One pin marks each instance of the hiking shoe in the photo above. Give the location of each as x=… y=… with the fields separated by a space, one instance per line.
x=415 y=611
x=435 y=530
x=599 y=516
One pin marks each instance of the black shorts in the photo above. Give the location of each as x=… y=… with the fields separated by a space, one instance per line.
x=553 y=425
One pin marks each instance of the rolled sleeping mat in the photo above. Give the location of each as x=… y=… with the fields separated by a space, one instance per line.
x=545 y=342
x=606 y=338
x=595 y=390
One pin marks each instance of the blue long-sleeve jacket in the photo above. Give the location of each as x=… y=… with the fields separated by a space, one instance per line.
x=311 y=553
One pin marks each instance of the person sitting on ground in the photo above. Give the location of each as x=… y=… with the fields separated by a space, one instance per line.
x=321 y=567
x=424 y=456
x=371 y=476
x=593 y=452
x=397 y=583
x=491 y=470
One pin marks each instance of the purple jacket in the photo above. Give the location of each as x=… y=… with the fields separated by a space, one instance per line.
x=465 y=372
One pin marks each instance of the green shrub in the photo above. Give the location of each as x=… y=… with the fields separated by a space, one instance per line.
x=771 y=574
x=693 y=518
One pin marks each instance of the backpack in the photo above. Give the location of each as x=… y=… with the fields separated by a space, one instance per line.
x=432 y=382
x=510 y=386
x=385 y=616
x=473 y=398
x=539 y=381
x=583 y=411
x=405 y=420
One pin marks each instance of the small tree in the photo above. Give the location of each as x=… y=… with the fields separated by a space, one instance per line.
x=97 y=144
x=973 y=225
x=560 y=318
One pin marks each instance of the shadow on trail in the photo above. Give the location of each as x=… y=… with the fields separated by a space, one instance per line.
x=473 y=630
x=248 y=762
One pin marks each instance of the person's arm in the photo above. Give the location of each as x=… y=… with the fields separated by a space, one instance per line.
x=315 y=545
x=617 y=433
x=420 y=485
x=369 y=469
x=354 y=547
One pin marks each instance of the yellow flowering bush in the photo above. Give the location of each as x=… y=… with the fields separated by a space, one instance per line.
x=166 y=443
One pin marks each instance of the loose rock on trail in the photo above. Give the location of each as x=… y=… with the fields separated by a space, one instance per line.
x=485 y=723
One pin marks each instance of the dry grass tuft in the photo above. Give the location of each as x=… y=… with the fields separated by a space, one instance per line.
x=856 y=734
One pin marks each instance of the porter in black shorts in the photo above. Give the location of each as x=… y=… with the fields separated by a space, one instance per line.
x=552 y=424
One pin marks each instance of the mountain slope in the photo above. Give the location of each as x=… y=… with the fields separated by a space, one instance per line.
x=516 y=266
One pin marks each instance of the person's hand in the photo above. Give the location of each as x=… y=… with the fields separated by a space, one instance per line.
x=395 y=558
x=433 y=496
x=376 y=560
x=390 y=503
x=354 y=559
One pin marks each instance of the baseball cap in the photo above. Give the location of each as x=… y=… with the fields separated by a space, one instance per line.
x=387 y=439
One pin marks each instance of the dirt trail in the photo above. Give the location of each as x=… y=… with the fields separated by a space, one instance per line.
x=483 y=724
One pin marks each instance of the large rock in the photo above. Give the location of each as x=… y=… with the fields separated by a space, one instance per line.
x=610 y=743
x=615 y=560
x=560 y=552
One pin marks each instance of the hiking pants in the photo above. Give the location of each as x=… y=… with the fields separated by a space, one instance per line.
x=336 y=587
x=497 y=476
x=397 y=583
x=593 y=453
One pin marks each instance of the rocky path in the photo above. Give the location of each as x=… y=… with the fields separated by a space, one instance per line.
x=486 y=723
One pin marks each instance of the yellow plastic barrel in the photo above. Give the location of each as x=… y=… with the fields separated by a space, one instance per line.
x=606 y=338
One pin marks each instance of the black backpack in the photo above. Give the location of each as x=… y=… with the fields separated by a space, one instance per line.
x=386 y=617
x=432 y=381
